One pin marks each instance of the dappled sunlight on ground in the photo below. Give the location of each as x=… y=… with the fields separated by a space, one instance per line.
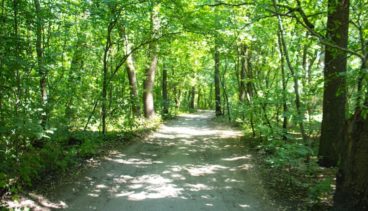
x=186 y=165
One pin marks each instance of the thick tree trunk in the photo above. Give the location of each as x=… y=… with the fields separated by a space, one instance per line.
x=132 y=77
x=217 y=82
x=40 y=62
x=148 y=100
x=334 y=95
x=165 y=96
x=352 y=184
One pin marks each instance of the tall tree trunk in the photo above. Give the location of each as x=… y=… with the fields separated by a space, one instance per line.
x=352 y=184
x=284 y=91
x=334 y=95
x=132 y=77
x=250 y=85
x=298 y=103
x=226 y=97
x=75 y=65
x=192 y=98
x=40 y=62
x=165 y=96
x=105 y=75
x=243 y=72
x=363 y=67
x=17 y=56
x=148 y=100
x=199 y=98
x=217 y=81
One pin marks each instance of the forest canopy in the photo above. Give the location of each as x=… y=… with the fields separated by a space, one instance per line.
x=77 y=73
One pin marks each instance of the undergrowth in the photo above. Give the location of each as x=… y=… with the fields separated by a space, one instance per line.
x=292 y=178
x=24 y=165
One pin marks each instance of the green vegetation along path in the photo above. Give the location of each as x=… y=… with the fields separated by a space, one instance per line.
x=190 y=163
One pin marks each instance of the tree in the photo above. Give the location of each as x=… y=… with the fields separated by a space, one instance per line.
x=148 y=100
x=334 y=94
x=40 y=62
x=217 y=81
x=165 y=96
x=132 y=77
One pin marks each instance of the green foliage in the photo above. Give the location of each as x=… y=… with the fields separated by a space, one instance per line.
x=75 y=44
x=89 y=148
x=287 y=154
x=322 y=190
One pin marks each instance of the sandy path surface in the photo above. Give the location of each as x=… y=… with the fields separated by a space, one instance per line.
x=190 y=163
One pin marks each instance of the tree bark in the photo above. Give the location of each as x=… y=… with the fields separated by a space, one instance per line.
x=243 y=72
x=132 y=77
x=217 y=82
x=148 y=100
x=298 y=103
x=192 y=98
x=165 y=96
x=284 y=91
x=105 y=75
x=17 y=57
x=334 y=95
x=352 y=184
x=75 y=65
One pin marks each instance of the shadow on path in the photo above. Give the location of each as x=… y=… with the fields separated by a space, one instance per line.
x=190 y=163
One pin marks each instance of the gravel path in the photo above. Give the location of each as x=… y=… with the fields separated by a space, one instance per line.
x=191 y=163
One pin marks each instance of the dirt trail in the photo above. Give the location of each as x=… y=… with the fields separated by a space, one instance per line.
x=191 y=163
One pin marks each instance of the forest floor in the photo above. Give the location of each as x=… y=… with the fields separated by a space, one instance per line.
x=191 y=163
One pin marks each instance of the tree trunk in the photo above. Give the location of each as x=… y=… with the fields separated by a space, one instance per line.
x=192 y=98
x=75 y=65
x=217 y=82
x=243 y=73
x=362 y=72
x=17 y=57
x=132 y=77
x=165 y=96
x=334 y=95
x=199 y=95
x=352 y=184
x=105 y=76
x=226 y=97
x=148 y=101
x=40 y=62
x=284 y=91
x=298 y=103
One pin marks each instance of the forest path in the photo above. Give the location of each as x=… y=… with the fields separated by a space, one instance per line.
x=191 y=163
